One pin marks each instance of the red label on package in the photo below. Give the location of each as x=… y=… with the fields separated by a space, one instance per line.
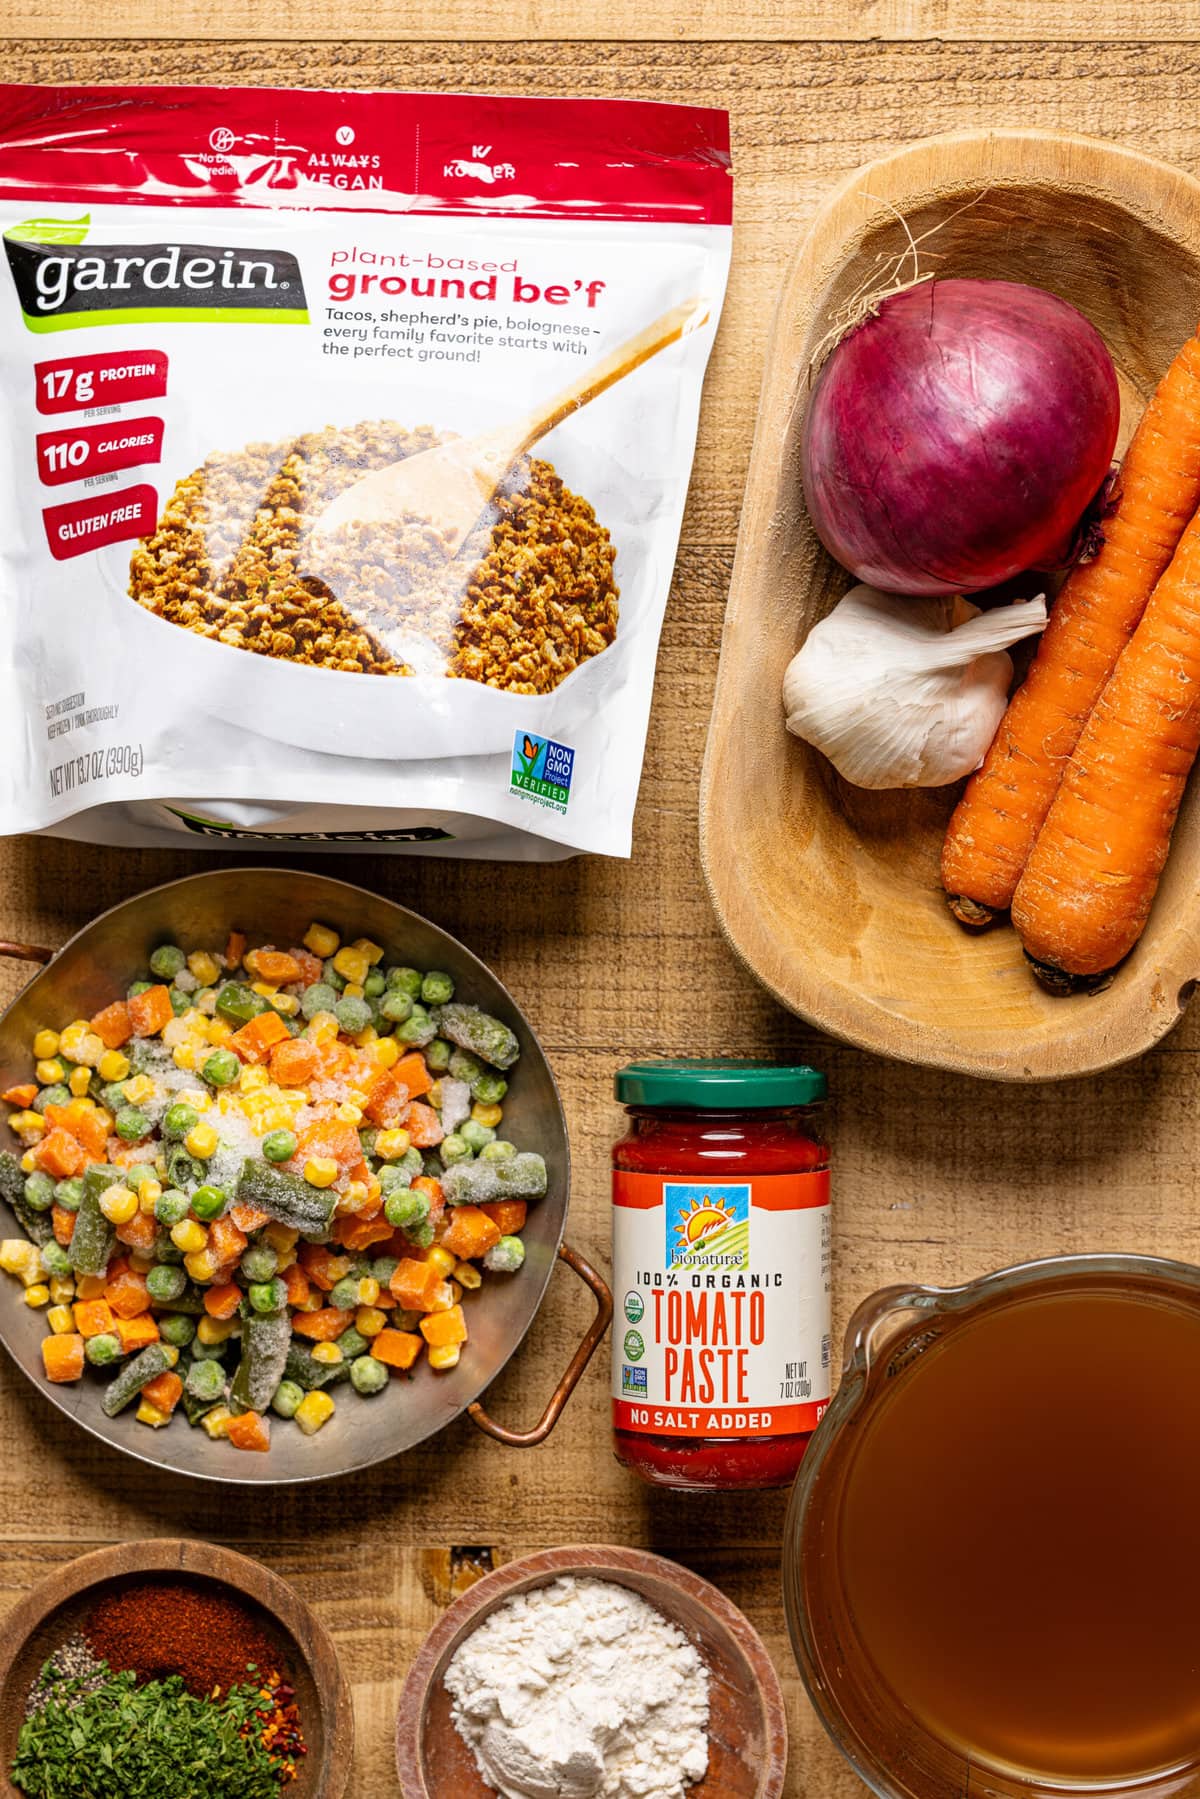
x=83 y=525
x=74 y=382
x=95 y=449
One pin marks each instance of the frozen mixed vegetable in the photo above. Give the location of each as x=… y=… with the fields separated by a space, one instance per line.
x=262 y=1173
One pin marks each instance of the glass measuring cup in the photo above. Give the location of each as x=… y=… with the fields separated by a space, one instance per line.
x=873 y=1690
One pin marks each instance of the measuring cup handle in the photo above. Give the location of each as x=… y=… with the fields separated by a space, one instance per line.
x=887 y=1303
x=529 y=1439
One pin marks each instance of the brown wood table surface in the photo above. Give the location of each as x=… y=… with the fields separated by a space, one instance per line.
x=937 y=1178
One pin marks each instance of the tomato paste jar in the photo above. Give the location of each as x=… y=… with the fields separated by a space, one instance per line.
x=721 y=1272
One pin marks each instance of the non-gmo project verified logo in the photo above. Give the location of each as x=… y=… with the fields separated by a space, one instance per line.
x=635 y=1381
x=541 y=770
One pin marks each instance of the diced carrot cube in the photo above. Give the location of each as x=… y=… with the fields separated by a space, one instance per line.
x=322 y=1326
x=412 y=1283
x=60 y=1155
x=62 y=1356
x=141 y=1232
x=136 y=1333
x=235 y=948
x=63 y=1223
x=128 y=1294
x=295 y=1062
x=82 y=1121
x=273 y=965
x=311 y=967
x=398 y=1349
x=248 y=1218
x=508 y=1215
x=249 y=1430
x=113 y=1025
x=222 y=1301
x=226 y=1238
x=165 y=1391
x=150 y=1012
x=322 y=1267
x=329 y=1137
x=361 y=1233
x=22 y=1096
x=424 y=1126
x=297 y=1283
x=440 y=1329
x=93 y=1317
x=471 y=1233
x=415 y=1075
x=253 y=1043
x=387 y=1099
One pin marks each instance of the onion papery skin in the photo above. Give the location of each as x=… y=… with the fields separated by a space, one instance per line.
x=957 y=437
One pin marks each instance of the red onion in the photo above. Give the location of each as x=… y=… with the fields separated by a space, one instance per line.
x=957 y=437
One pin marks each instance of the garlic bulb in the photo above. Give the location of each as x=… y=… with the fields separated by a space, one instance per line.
x=899 y=692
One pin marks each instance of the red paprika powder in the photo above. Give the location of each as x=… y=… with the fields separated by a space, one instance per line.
x=179 y=1627
x=721 y=1272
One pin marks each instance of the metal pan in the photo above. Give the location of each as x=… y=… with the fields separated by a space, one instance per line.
x=277 y=905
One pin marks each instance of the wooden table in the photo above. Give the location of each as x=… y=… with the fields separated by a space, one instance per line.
x=937 y=1178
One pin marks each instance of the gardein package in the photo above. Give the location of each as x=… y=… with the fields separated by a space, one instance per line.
x=345 y=442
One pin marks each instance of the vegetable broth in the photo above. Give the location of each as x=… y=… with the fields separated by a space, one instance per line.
x=1018 y=1537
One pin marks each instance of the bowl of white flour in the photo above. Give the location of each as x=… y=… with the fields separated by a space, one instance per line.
x=592 y=1673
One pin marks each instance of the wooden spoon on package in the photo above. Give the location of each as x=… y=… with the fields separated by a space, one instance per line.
x=451 y=485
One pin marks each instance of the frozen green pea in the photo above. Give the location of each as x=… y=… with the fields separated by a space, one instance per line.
x=421 y=1235
x=177 y=1328
x=367 y=1375
x=405 y=1208
x=131 y=1124
x=477 y=1135
x=344 y=1295
x=69 y=1193
x=165 y=1283
x=489 y=1088
x=210 y=1352
x=268 y=1296
x=405 y=980
x=353 y=1015
x=455 y=1148
x=171 y=1207
x=137 y=1176
x=374 y=984
x=418 y=1028
x=352 y=1343
x=136 y=987
x=179 y=1119
x=55 y=1260
x=437 y=1054
x=205 y=1380
x=221 y=1069
x=166 y=961
x=279 y=1146
x=181 y=1002
x=39 y=1191
x=56 y=1095
x=437 y=988
x=498 y=1151
x=102 y=1350
x=209 y=1202
x=465 y=1067
x=383 y=1268
x=320 y=997
x=260 y=1262
x=506 y=1256
x=395 y=1006
x=288 y=1396
x=112 y=1096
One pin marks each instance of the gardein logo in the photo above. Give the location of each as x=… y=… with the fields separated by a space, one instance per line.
x=63 y=284
x=542 y=770
x=707 y=1226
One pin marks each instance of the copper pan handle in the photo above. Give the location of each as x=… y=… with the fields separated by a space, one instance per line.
x=528 y=1439
x=26 y=952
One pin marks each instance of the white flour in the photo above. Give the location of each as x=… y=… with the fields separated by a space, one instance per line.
x=581 y=1690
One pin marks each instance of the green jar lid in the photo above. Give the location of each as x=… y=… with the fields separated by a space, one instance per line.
x=715 y=1085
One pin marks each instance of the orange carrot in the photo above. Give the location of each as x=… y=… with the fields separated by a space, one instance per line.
x=150 y=1012
x=1087 y=890
x=996 y=823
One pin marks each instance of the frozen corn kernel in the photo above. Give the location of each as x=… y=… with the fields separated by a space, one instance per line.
x=253 y=1079
x=71 y=1039
x=37 y=1295
x=28 y=1161
x=148 y=1413
x=190 y=1236
x=348 y=1114
x=372 y=951
x=384 y=1052
x=328 y=1353
x=369 y=1321
x=286 y=1004
x=352 y=964
x=441 y=1259
x=62 y=1290
x=354 y=1198
x=281 y=1236
x=140 y=1089
x=28 y=1126
x=313 y=1303
x=184 y=1056
x=468 y=1276
x=202 y=1264
x=323 y=1027
x=215 y=1330
x=201 y=1141
x=364 y=1039
x=264 y=989
x=199 y=1098
x=79 y=1080
x=113 y=1066
x=446 y=1356
x=90 y=1286
x=391 y=1145
x=91 y=1051
x=353 y=990
x=314 y=1410
x=118 y=1203
x=50 y=1072
x=216 y=1423
x=320 y=1171
x=487 y=1115
x=204 y=967
x=60 y=1320
x=218 y=1031
x=149 y=1194
x=321 y=940
x=45 y=1044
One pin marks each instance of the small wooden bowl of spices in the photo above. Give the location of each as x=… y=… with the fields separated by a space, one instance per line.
x=192 y=1655
x=636 y=1640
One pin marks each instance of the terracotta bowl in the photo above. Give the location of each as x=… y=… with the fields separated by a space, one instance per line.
x=60 y=1603
x=747 y=1728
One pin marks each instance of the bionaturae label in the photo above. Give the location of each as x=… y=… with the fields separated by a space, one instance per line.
x=723 y=1304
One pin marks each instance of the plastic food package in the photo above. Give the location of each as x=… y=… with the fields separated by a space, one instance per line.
x=229 y=319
